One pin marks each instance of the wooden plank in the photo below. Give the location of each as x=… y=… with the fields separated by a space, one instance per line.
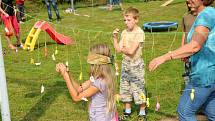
x=167 y=3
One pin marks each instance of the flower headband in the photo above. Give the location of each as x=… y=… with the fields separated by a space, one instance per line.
x=98 y=59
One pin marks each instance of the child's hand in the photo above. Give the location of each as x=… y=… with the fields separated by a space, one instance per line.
x=6 y=15
x=61 y=68
x=115 y=33
x=124 y=50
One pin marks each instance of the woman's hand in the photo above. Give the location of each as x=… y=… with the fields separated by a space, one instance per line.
x=158 y=61
x=61 y=68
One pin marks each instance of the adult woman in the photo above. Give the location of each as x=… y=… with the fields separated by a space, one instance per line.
x=200 y=91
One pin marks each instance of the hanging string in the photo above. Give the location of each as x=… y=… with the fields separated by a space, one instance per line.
x=92 y=12
x=152 y=55
x=89 y=40
x=79 y=55
x=174 y=38
x=173 y=41
x=68 y=57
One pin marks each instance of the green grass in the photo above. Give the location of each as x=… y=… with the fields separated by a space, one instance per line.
x=24 y=79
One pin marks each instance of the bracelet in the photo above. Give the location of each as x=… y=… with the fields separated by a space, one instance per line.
x=171 y=57
x=170 y=52
x=81 y=88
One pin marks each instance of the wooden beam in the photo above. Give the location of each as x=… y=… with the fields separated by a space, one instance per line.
x=167 y=3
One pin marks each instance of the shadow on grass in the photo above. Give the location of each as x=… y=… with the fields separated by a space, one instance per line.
x=43 y=44
x=150 y=111
x=32 y=94
x=161 y=113
x=44 y=103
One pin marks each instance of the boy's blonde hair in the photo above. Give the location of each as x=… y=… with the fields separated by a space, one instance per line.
x=132 y=12
x=105 y=72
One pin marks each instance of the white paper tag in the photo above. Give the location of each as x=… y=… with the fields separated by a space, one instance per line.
x=38 y=64
x=84 y=99
x=53 y=57
x=76 y=14
x=86 y=15
x=67 y=63
x=67 y=66
x=92 y=79
x=42 y=89
x=6 y=30
x=157 y=107
x=56 y=52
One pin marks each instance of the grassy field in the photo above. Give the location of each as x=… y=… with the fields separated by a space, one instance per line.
x=54 y=104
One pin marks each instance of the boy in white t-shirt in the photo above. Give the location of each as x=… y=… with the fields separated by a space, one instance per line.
x=132 y=78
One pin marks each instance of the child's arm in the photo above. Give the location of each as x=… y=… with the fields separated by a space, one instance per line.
x=2 y=11
x=83 y=86
x=117 y=46
x=80 y=87
x=137 y=40
x=76 y=95
x=131 y=50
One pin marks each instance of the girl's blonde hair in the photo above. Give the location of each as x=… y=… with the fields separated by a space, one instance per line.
x=105 y=72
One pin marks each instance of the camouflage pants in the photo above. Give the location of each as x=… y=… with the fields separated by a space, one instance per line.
x=132 y=81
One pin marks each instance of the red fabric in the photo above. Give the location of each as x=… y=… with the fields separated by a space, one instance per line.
x=20 y=1
x=11 y=25
x=8 y=26
x=117 y=117
x=59 y=38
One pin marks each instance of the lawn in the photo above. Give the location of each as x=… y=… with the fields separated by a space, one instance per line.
x=92 y=25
